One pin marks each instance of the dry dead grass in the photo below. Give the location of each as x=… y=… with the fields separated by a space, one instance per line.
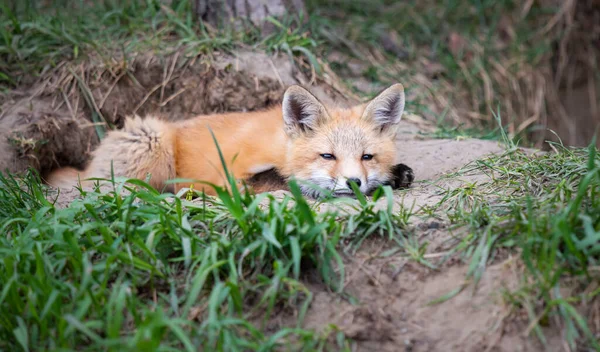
x=535 y=67
x=61 y=118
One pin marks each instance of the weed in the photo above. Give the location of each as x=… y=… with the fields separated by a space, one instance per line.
x=34 y=39
x=547 y=206
x=132 y=268
x=460 y=57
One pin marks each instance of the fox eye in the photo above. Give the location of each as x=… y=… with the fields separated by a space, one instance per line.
x=328 y=156
x=367 y=156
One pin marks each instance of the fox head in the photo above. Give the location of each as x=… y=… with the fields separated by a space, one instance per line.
x=331 y=148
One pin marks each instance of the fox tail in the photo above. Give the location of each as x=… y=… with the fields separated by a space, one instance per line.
x=144 y=147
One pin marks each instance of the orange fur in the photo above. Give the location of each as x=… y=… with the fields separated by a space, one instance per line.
x=295 y=138
x=247 y=142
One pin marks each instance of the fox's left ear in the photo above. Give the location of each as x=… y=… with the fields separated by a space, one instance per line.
x=387 y=108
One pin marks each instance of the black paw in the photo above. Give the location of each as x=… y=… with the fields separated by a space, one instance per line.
x=403 y=176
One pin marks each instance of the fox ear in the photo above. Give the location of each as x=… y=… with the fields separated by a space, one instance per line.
x=302 y=112
x=387 y=108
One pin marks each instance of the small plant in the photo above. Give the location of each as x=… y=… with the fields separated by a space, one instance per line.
x=143 y=270
x=548 y=207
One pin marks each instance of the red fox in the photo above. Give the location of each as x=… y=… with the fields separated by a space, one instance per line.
x=301 y=139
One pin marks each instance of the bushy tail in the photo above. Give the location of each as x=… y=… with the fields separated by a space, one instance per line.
x=65 y=177
x=143 y=147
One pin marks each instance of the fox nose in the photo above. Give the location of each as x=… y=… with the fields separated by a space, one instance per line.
x=355 y=180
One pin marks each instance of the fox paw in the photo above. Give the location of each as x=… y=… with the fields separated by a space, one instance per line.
x=403 y=176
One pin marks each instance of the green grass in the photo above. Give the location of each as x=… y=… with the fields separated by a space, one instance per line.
x=459 y=132
x=476 y=76
x=445 y=130
x=147 y=271
x=546 y=209
x=135 y=269
x=34 y=39
x=425 y=24
x=142 y=270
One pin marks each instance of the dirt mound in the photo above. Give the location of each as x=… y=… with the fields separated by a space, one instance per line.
x=393 y=303
x=397 y=309
x=59 y=120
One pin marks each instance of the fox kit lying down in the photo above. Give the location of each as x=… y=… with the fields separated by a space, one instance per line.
x=302 y=139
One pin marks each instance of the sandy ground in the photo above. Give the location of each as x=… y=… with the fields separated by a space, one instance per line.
x=393 y=292
x=43 y=128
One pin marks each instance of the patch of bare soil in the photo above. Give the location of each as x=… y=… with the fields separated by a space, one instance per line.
x=400 y=305
x=58 y=121
x=395 y=312
x=49 y=125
